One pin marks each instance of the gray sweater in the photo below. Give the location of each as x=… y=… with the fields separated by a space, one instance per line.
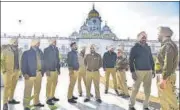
x=141 y=58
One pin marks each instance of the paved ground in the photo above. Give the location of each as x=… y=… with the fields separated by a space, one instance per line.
x=110 y=101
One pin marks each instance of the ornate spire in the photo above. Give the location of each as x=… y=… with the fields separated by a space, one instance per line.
x=93 y=6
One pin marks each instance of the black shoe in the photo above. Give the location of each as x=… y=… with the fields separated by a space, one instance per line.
x=86 y=100
x=117 y=92
x=72 y=101
x=99 y=100
x=39 y=105
x=13 y=102
x=75 y=98
x=55 y=99
x=80 y=94
x=146 y=109
x=91 y=95
x=26 y=108
x=121 y=95
x=106 y=91
x=5 y=106
x=49 y=102
x=125 y=96
x=132 y=108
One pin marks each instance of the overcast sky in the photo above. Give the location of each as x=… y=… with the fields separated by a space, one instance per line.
x=125 y=19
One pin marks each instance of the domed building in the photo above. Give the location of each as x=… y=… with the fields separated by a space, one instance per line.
x=93 y=31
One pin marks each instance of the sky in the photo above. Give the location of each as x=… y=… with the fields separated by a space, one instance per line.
x=126 y=19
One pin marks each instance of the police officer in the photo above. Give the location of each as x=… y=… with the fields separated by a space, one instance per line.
x=52 y=68
x=73 y=66
x=142 y=68
x=10 y=71
x=168 y=61
x=82 y=70
x=32 y=68
x=93 y=62
x=121 y=67
x=109 y=62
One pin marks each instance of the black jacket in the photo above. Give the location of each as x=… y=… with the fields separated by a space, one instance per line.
x=141 y=58
x=109 y=60
x=51 y=59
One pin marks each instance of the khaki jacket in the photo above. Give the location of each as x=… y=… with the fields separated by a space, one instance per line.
x=7 y=58
x=122 y=63
x=93 y=62
x=168 y=58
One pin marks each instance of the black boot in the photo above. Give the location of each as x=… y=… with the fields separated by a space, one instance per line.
x=86 y=100
x=74 y=98
x=39 y=105
x=146 y=109
x=55 y=99
x=132 y=108
x=13 y=102
x=125 y=96
x=106 y=91
x=49 y=102
x=5 y=106
x=99 y=100
x=26 y=108
x=72 y=101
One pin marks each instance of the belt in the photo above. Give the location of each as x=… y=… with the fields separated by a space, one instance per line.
x=91 y=70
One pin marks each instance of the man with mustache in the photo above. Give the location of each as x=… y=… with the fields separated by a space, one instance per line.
x=93 y=63
x=142 y=67
x=166 y=64
x=73 y=66
x=32 y=67
x=10 y=71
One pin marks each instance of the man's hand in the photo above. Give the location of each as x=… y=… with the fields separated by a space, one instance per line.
x=134 y=76
x=153 y=74
x=47 y=73
x=26 y=76
x=163 y=84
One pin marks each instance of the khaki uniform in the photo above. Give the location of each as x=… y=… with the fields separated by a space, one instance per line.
x=111 y=71
x=33 y=82
x=73 y=74
x=9 y=74
x=93 y=62
x=29 y=84
x=146 y=78
x=121 y=66
x=52 y=81
x=81 y=73
x=168 y=60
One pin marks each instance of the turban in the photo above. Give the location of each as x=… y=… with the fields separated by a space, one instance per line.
x=89 y=48
x=52 y=41
x=120 y=48
x=13 y=41
x=141 y=35
x=34 y=42
x=167 y=32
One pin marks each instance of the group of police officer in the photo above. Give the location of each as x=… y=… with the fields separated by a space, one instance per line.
x=85 y=66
